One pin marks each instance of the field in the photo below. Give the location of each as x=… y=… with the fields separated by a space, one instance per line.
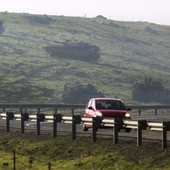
x=38 y=152
x=128 y=51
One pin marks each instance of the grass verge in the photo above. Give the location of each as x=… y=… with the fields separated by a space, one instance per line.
x=36 y=152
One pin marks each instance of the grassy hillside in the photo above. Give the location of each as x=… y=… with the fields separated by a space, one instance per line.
x=128 y=51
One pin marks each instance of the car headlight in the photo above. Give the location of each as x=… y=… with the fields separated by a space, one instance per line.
x=99 y=114
x=127 y=115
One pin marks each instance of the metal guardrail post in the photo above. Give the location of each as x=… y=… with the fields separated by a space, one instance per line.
x=118 y=124
x=38 y=122
x=115 y=131
x=165 y=128
x=94 y=129
x=55 y=123
x=24 y=117
x=9 y=116
x=95 y=124
x=76 y=120
x=164 y=135
x=40 y=118
x=57 y=119
x=7 y=122
x=142 y=124
x=22 y=122
x=139 y=111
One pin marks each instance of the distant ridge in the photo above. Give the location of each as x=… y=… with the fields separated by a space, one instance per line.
x=106 y=54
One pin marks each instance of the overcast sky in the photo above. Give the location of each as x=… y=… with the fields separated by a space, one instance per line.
x=154 y=11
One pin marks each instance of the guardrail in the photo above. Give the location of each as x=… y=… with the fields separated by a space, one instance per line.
x=140 y=108
x=149 y=107
x=96 y=122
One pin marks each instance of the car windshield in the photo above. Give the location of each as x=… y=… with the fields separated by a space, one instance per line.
x=110 y=104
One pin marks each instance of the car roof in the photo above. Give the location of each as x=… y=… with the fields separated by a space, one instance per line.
x=105 y=98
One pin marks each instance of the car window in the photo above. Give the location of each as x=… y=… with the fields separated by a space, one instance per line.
x=90 y=103
x=121 y=105
x=100 y=104
x=110 y=104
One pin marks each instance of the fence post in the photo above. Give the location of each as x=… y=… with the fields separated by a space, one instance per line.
x=115 y=131
x=76 y=119
x=38 y=122
x=95 y=124
x=14 y=159
x=142 y=124
x=22 y=122
x=9 y=116
x=24 y=117
x=57 y=119
x=7 y=122
x=40 y=118
x=30 y=161
x=164 y=134
x=156 y=111
x=118 y=124
x=55 y=123
x=49 y=166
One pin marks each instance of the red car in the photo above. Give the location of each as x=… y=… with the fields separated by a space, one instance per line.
x=105 y=107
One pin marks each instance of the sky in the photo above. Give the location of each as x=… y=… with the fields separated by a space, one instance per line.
x=153 y=11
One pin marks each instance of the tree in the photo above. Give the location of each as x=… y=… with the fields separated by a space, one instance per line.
x=79 y=94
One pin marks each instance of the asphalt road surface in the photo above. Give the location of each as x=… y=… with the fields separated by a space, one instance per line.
x=66 y=127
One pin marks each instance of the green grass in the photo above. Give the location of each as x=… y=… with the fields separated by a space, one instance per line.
x=129 y=51
x=63 y=153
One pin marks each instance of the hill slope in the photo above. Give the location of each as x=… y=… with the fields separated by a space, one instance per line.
x=123 y=53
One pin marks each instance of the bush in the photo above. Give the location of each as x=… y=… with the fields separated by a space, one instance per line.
x=79 y=94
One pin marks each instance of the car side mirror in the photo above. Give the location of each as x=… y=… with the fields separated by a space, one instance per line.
x=91 y=108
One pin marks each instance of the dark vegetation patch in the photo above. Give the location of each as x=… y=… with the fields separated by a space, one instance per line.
x=21 y=91
x=129 y=40
x=39 y=19
x=100 y=17
x=150 y=90
x=151 y=31
x=28 y=70
x=7 y=49
x=74 y=51
x=2 y=29
x=67 y=71
x=114 y=25
x=80 y=94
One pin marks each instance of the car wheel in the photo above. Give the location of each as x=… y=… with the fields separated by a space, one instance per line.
x=85 y=128
x=127 y=130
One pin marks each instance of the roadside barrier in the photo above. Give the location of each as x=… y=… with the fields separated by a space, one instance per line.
x=139 y=108
x=96 y=122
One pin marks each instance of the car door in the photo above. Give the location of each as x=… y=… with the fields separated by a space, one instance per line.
x=89 y=111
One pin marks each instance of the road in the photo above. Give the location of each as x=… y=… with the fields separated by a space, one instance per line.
x=65 y=127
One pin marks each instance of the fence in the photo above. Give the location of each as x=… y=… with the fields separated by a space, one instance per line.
x=96 y=122
x=29 y=165
x=140 y=108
